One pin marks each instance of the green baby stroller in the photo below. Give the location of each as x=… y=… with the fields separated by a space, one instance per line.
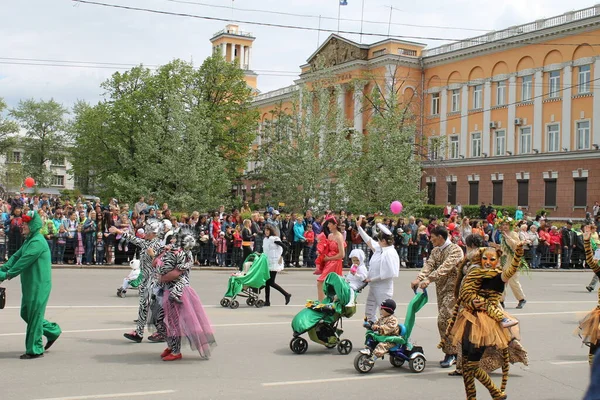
x=320 y=320
x=248 y=285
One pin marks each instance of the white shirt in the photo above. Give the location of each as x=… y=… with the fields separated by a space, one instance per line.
x=273 y=252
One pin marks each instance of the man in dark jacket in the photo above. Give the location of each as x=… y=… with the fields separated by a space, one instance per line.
x=569 y=241
x=287 y=235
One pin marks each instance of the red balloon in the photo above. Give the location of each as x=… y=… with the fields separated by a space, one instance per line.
x=29 y=182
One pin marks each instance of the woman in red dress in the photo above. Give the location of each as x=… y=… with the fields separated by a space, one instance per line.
x=333 y=260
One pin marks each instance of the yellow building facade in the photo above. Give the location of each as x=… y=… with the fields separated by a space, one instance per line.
x=508 y=117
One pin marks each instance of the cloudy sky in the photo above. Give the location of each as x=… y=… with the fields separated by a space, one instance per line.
x=104 y=39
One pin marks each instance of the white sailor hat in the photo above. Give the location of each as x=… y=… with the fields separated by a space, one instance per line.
x=384 y=229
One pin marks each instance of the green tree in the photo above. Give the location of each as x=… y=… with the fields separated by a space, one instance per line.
x=45 y=125
x=155 y=134
x=304 y=153
x=388 y=167
x=7 y=130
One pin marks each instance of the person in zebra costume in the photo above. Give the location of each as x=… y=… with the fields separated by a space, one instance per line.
x=151 y=241
x=184 y=317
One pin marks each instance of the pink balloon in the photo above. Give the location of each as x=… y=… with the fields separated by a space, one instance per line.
x=396 y=207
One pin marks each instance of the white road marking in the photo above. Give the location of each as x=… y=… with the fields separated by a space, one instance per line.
x=569 y=362
x=355 y=378
x=566 y=284
x=112 y=396
x=251 y=324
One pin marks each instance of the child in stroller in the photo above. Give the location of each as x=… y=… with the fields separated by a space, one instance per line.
x=383 y=338
x=248 y=283
x=320 y=319
x=132 y=280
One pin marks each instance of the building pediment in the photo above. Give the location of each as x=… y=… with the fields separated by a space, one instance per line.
x=337 y=50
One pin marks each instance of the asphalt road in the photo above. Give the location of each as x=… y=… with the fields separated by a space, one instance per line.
x=252 y=361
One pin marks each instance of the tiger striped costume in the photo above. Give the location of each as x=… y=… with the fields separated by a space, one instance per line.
x=469 y=325
x=588 y=326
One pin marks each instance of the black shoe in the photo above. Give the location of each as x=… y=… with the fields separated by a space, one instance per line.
x=133 y=336
x=502 y=304
x=287 y=299
x=267 y=304
x=50 y=343
x=156 y=338
x=449 y=361
x=30 y=356
x=589 y=289
x=521 y=303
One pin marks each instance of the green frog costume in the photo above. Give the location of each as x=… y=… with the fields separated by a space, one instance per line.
x=33 y=263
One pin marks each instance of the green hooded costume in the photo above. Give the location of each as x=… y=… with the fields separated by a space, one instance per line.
x=33 y=262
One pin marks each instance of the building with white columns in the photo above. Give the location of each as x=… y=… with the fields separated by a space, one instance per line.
x=509 y=117
x=236 y=46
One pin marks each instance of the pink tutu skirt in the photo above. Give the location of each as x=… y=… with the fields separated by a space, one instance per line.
x=188 y=320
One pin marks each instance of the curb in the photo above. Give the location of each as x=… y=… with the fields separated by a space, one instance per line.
x=300 y=270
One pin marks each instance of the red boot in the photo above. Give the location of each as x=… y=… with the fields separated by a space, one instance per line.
x=172 y=357
x=165 y=353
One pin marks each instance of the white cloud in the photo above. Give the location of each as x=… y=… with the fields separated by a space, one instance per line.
x=63 y=30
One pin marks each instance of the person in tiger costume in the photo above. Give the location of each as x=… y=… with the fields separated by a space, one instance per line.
x=589 y=329
x=475 y=329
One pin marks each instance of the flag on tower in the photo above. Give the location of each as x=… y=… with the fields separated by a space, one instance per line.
x=343 y=2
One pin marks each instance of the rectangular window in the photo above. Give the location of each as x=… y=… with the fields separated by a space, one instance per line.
x=454 y=147
x=477 y=96
x=553 y=138
x=583 y=135
x=525 y=140
x=580 y=192
x=527 y=88
x=475 y=145
x=501 y=93
x=58 y=180
x=435 y=104
x=455 y=100
x=473 y=193
x=497 y=193
x=431 y=193
x=523 y=193
x=452 y=192
x=550 y=193
x=500 y=143
x=583 y=79
x=554 y=84
x=14 y=157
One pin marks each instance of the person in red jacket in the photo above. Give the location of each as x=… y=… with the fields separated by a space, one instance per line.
x=555 y=246
x=492 y=217
x=309 y=235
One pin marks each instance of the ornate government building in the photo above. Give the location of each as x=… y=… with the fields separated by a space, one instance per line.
x=508 y=117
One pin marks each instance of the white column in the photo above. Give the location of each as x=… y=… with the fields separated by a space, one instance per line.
x=244 y=56
x=224 y=50
x=388 y=87
x=341 y=102
x=358 y=105
x=464 y=120
x=443 y=111
x=249 y=53
x=487 y=117
x=566 y=108
x=596 y=112
x=512 y=114
x=538 y=129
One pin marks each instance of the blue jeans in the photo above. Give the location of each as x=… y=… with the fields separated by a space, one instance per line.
x=535 y=257
x=567 y=252
x=60 y=252
x=99 y=256
x=89 y=249
x=403 y=253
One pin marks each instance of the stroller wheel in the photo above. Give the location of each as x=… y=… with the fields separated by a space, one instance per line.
x=396 y=361
x=345 y=346
x=363 y=363
x=299 y=345
x=224 y=302
x=234 y=304
x=250 y=301
x=259 y=303
x=417 y=364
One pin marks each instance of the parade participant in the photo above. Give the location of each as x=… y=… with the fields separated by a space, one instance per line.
x=33 y=263
x=384 y=266
x=441 y=268
x=508 y=242
x=476 y=330
x=386 y=325
x=152 y=241
x=589 y=326
x=358 y=272
x=185 y=319
x=333 y=260
x=273 y=249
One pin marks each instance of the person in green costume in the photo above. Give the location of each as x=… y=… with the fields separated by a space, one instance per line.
x=33 y=262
